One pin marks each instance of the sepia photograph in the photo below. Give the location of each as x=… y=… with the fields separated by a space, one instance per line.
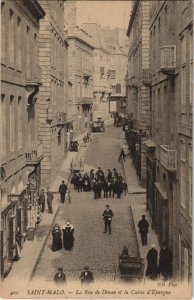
x=96 y=149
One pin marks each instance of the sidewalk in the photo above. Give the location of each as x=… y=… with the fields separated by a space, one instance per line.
x=137 y=212
x=130 y=173
x=24 y=268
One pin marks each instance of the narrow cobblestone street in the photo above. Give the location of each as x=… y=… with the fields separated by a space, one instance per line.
x=92 y=247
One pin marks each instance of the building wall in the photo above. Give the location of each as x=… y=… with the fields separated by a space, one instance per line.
x=20 y=79
x=80 y=61
x=171 y=106
x=52 y=50
x=138 y=95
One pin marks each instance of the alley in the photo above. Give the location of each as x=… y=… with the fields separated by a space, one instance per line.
x=92 y=247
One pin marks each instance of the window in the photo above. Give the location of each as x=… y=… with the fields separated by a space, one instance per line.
x=3 y=125
x=11 y=38
x=191 y=67
x=19 y=123
x=183 y=174
x=183 y=50
x=183 y=84
x=118 y=88
x=12 y=124
x=28 y=54
x=112 y=74
x=190 y=178
x=19 y=46
x=3 y=31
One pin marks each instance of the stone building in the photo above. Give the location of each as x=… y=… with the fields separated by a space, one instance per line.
x=21 y=149
x=101 y=71
x=116 y=43
x=52 y=110
x=169 y=151
x=80 y=57
x=138 y=82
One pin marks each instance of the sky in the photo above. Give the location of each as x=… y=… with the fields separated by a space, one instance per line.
x=112 y=13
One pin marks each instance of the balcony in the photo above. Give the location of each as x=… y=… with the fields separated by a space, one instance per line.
x=34 y=153
x=147 y=77
x=168 y=59
x=167 y=157
x=35 y=77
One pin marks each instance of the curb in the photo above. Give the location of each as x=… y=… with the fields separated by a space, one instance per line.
x=42 y=247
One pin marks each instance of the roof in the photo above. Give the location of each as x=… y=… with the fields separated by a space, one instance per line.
x=96 y=33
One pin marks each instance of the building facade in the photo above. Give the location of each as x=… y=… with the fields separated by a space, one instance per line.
x=101 y=71
x=80 y=62
x=21 y=149
x=169 y=152
x=116 y=43
x=138 y=84
x=52 y=109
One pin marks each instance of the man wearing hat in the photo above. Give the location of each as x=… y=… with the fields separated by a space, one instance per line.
x=143 y=229
x=60 y=277
x=107 y=216
x=152 y=263
x=86 y=276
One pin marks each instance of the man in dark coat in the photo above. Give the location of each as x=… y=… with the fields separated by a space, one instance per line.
x=100 y=173
x=41 y=200
x=50 y=200
x=165 y=262
x=107 y=216
x=60 y=277
x=152 y=266
x=109 y=175
x=62 y=191
x=143 y=229
x=86 y=276
x=115 y=174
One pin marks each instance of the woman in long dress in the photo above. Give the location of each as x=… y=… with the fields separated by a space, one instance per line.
x=68 y=238
x=57 y=241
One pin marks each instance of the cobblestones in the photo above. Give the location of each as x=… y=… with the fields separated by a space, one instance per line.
x=92 y=247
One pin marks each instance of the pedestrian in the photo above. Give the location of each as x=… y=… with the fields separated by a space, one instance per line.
x=125 y=251
x=118 y=188
x=152 y=263
x=86 y=276
x=60 y=277
x=100 y=174
x=165 y=262
x=143 y=229
x=85 y=140
x=68 y=238
x=107 y=216
x=79 y=183
x=57 y=241
x=109 y=175
x=50 y=200
x=41 y=200
x=86 y=183
x=105 y=188
x=91 y=175
x=115 y=174
x=124 y=186
x=122 y=155
x=63 y=190
x=95 y=188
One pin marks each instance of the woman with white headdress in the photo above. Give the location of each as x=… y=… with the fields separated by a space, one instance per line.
x=68 y=238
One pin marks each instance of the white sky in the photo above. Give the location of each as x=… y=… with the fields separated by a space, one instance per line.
x=112 y=13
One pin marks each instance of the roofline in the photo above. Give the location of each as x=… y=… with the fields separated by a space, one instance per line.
x=80 y=40
x=136 y=4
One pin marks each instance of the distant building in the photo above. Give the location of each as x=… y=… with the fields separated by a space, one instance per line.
x=52 y=109
x=21 y=149
x=109 y=67
x=80 y=67
x=116 y=44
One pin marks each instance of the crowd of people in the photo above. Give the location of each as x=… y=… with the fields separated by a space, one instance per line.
x=103 y=186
